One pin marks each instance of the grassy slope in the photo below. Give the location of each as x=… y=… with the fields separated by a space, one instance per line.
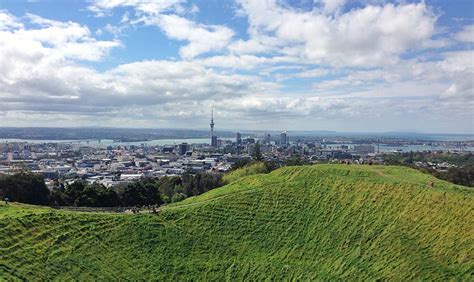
x=331 y=221
x=251 y=169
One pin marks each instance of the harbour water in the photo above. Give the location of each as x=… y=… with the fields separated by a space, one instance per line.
x=107 y=142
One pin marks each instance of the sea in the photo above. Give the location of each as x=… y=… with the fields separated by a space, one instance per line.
x=106 y=142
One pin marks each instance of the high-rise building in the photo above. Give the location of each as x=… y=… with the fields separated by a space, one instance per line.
x=183 y=148
x=267 y=138
x=213 y=138
x=283 y=139
x=238 y=138
x=214 y=141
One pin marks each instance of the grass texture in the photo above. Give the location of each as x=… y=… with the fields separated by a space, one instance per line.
x=311 y=222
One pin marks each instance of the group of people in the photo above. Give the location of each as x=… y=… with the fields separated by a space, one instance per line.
x=135 y=210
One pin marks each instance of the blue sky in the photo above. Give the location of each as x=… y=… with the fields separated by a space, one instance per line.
x=345 y=65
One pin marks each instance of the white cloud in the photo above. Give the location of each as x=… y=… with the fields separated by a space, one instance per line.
x=463 y=90
x=243 y=61
x=317 y=72
x=50 y=40
x=459 y=65
x=458 y=61
x=328 y=68
x=331 y=6
x=200 y=38
x=40 y=75
x=194 y=9
x=115 y=30
x=372 y=35
x=465 y=35
x=8 y=21
x=248 y=47
x=103 y=8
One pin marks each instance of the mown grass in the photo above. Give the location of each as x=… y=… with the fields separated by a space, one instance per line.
x=251 y=169
x=311 y=222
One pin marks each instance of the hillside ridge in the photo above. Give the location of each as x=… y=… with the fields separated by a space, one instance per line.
x=325 y=170
x=310 y=222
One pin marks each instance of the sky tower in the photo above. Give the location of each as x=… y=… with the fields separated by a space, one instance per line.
x=213 y=138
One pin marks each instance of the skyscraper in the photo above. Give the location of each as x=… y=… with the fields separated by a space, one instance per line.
x=267 y=138
x=238 y=138
x=283 y=139
x=213 y=138
x=214 y=141
x=183 y=148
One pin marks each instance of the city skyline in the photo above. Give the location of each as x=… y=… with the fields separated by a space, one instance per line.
x=336 y=65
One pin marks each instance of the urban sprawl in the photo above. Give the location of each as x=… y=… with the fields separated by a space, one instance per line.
x=112 y=165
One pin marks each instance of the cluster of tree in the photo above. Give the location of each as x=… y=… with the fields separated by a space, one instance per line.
x=30 y=188
x=435 y=157
x=83 y=195
x=462 y=174
x=296 y=160
x=459 y=175
x=24 y=187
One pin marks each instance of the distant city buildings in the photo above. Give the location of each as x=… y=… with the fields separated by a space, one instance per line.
x=364 y=149
x=117 y=164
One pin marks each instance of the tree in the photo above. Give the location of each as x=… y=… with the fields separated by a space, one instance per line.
x=167 y=186
x=240 y=163
x=295 y=160
x=24 y=187
x=271 y=166
x=178 y=197
x=58 y=197
x=140 y=193
x=459 y=175
x=193 y=185
x=257 y=154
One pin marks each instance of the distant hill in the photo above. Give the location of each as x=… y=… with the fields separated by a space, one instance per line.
x=322 y=221
x=95 y=133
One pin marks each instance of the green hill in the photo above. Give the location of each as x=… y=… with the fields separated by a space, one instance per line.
x=322 y=221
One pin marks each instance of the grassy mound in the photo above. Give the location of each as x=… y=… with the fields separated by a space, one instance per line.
x=323 y=221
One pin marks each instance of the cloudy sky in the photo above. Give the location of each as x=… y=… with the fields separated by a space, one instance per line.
x=345 y=65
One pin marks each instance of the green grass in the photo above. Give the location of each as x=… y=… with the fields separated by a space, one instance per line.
x=312 y=222
x=251 y=169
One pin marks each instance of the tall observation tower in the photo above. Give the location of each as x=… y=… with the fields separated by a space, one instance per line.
x=213 y=137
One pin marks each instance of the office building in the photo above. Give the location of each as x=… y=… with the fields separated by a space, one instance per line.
x=183 y=148
x=283 y=139
x=238 y=138
x=267 y=138
x=214 y=141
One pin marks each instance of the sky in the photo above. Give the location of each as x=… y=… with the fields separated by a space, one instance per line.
x=342 y=65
